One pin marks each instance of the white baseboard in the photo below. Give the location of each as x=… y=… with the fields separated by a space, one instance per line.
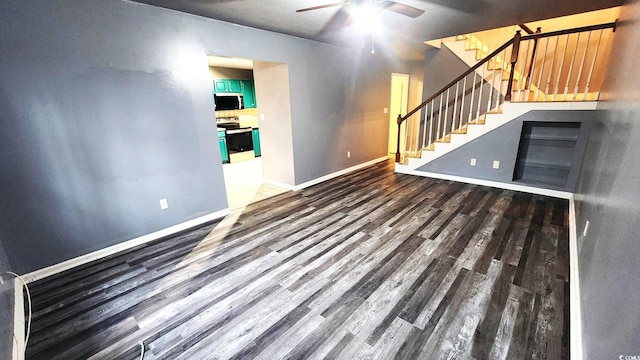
x=279 y=184
x=18 y=321
x=339 y=173
x=575 y=320
x=99 y=254
x=80 y=260
x=495 y=184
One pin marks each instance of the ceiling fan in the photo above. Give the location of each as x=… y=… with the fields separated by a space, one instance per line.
x=393 y=6
x=362 y=11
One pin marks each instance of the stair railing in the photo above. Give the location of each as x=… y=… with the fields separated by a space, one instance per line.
x=525 y=68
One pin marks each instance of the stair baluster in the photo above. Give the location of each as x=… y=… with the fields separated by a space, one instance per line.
x=584 y=57
x=593 y=63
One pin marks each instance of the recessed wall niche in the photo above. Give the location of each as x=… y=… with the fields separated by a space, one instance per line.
x=546 y=153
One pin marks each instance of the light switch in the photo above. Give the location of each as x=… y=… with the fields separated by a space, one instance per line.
x=386 y=110
x=473 y=162
x=496 y=164
x=261 y=116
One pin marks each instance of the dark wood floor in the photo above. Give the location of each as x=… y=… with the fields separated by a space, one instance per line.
x=369 y=265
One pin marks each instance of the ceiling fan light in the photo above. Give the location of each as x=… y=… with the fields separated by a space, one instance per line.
x=366 y=18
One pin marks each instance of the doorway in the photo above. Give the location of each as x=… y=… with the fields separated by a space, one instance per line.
x=398 y=105
x=244 y=136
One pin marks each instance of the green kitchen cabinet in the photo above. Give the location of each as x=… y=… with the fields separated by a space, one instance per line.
x=227 y=86
x=255 y=136
x=249 y=94
x=219 y=86
x=235 y=86
x=222 y=140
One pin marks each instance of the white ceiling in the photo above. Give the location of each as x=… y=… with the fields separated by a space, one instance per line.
x=406 y=35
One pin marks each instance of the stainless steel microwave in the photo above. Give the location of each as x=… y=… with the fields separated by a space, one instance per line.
x=228 y=101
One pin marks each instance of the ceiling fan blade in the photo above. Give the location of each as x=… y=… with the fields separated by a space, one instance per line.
x=322 y=6
x=402 y=9
x=468 y=6
x=339 y=20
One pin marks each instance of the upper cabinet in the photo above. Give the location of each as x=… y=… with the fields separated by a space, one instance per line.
x=228 y=86
x=248 y=94
x=244 y=87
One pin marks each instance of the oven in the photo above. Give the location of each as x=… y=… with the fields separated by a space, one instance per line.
x=239 y=140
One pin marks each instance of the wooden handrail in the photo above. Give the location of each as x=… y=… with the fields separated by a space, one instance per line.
x=526 y=29
x=514 y=55
x=471 y=70
x=611 y=25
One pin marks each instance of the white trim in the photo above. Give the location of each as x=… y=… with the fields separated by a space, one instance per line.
x=18 y=321
x=279 y=184
x=575 y=320
x=339 y=173
x=99 y=254
x=508 y=186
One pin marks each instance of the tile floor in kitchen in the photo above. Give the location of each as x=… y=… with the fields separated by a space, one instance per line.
x=243 y=180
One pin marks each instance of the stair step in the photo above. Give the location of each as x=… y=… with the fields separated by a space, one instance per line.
x=430 y=147
x=462 y=130
x=446 y=139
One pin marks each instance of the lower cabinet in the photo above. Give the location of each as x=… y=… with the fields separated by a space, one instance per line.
x=222 y=140
x=255 y=137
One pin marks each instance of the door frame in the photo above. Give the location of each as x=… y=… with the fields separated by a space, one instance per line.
x=398 y=104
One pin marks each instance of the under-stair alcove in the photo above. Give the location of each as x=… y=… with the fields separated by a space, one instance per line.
x=552 y=160
x=546 y=153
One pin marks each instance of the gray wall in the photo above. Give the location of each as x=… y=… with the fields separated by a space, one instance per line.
x=608 y=198
x=502 y=144
x=106 y=108
x=440 y=67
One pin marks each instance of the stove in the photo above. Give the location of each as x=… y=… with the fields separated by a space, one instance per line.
x=231 y=122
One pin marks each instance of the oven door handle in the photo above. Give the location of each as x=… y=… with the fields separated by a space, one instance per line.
x=238 y=131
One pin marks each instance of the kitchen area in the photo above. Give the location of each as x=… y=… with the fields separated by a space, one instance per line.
x=236 y=113
x=237 y=120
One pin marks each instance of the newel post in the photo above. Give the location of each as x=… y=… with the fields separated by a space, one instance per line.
x=399 y=121
x=514 y=59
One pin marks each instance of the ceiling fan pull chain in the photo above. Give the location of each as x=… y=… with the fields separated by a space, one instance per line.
x=373 y=44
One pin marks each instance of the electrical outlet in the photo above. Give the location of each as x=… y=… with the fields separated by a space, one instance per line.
x=261 y=116
x=496 y=164
x=348 y=154
x=386 y=110
x=164 y=204
x=473 y=162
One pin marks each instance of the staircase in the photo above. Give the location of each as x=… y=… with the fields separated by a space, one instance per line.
x=506 y=79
